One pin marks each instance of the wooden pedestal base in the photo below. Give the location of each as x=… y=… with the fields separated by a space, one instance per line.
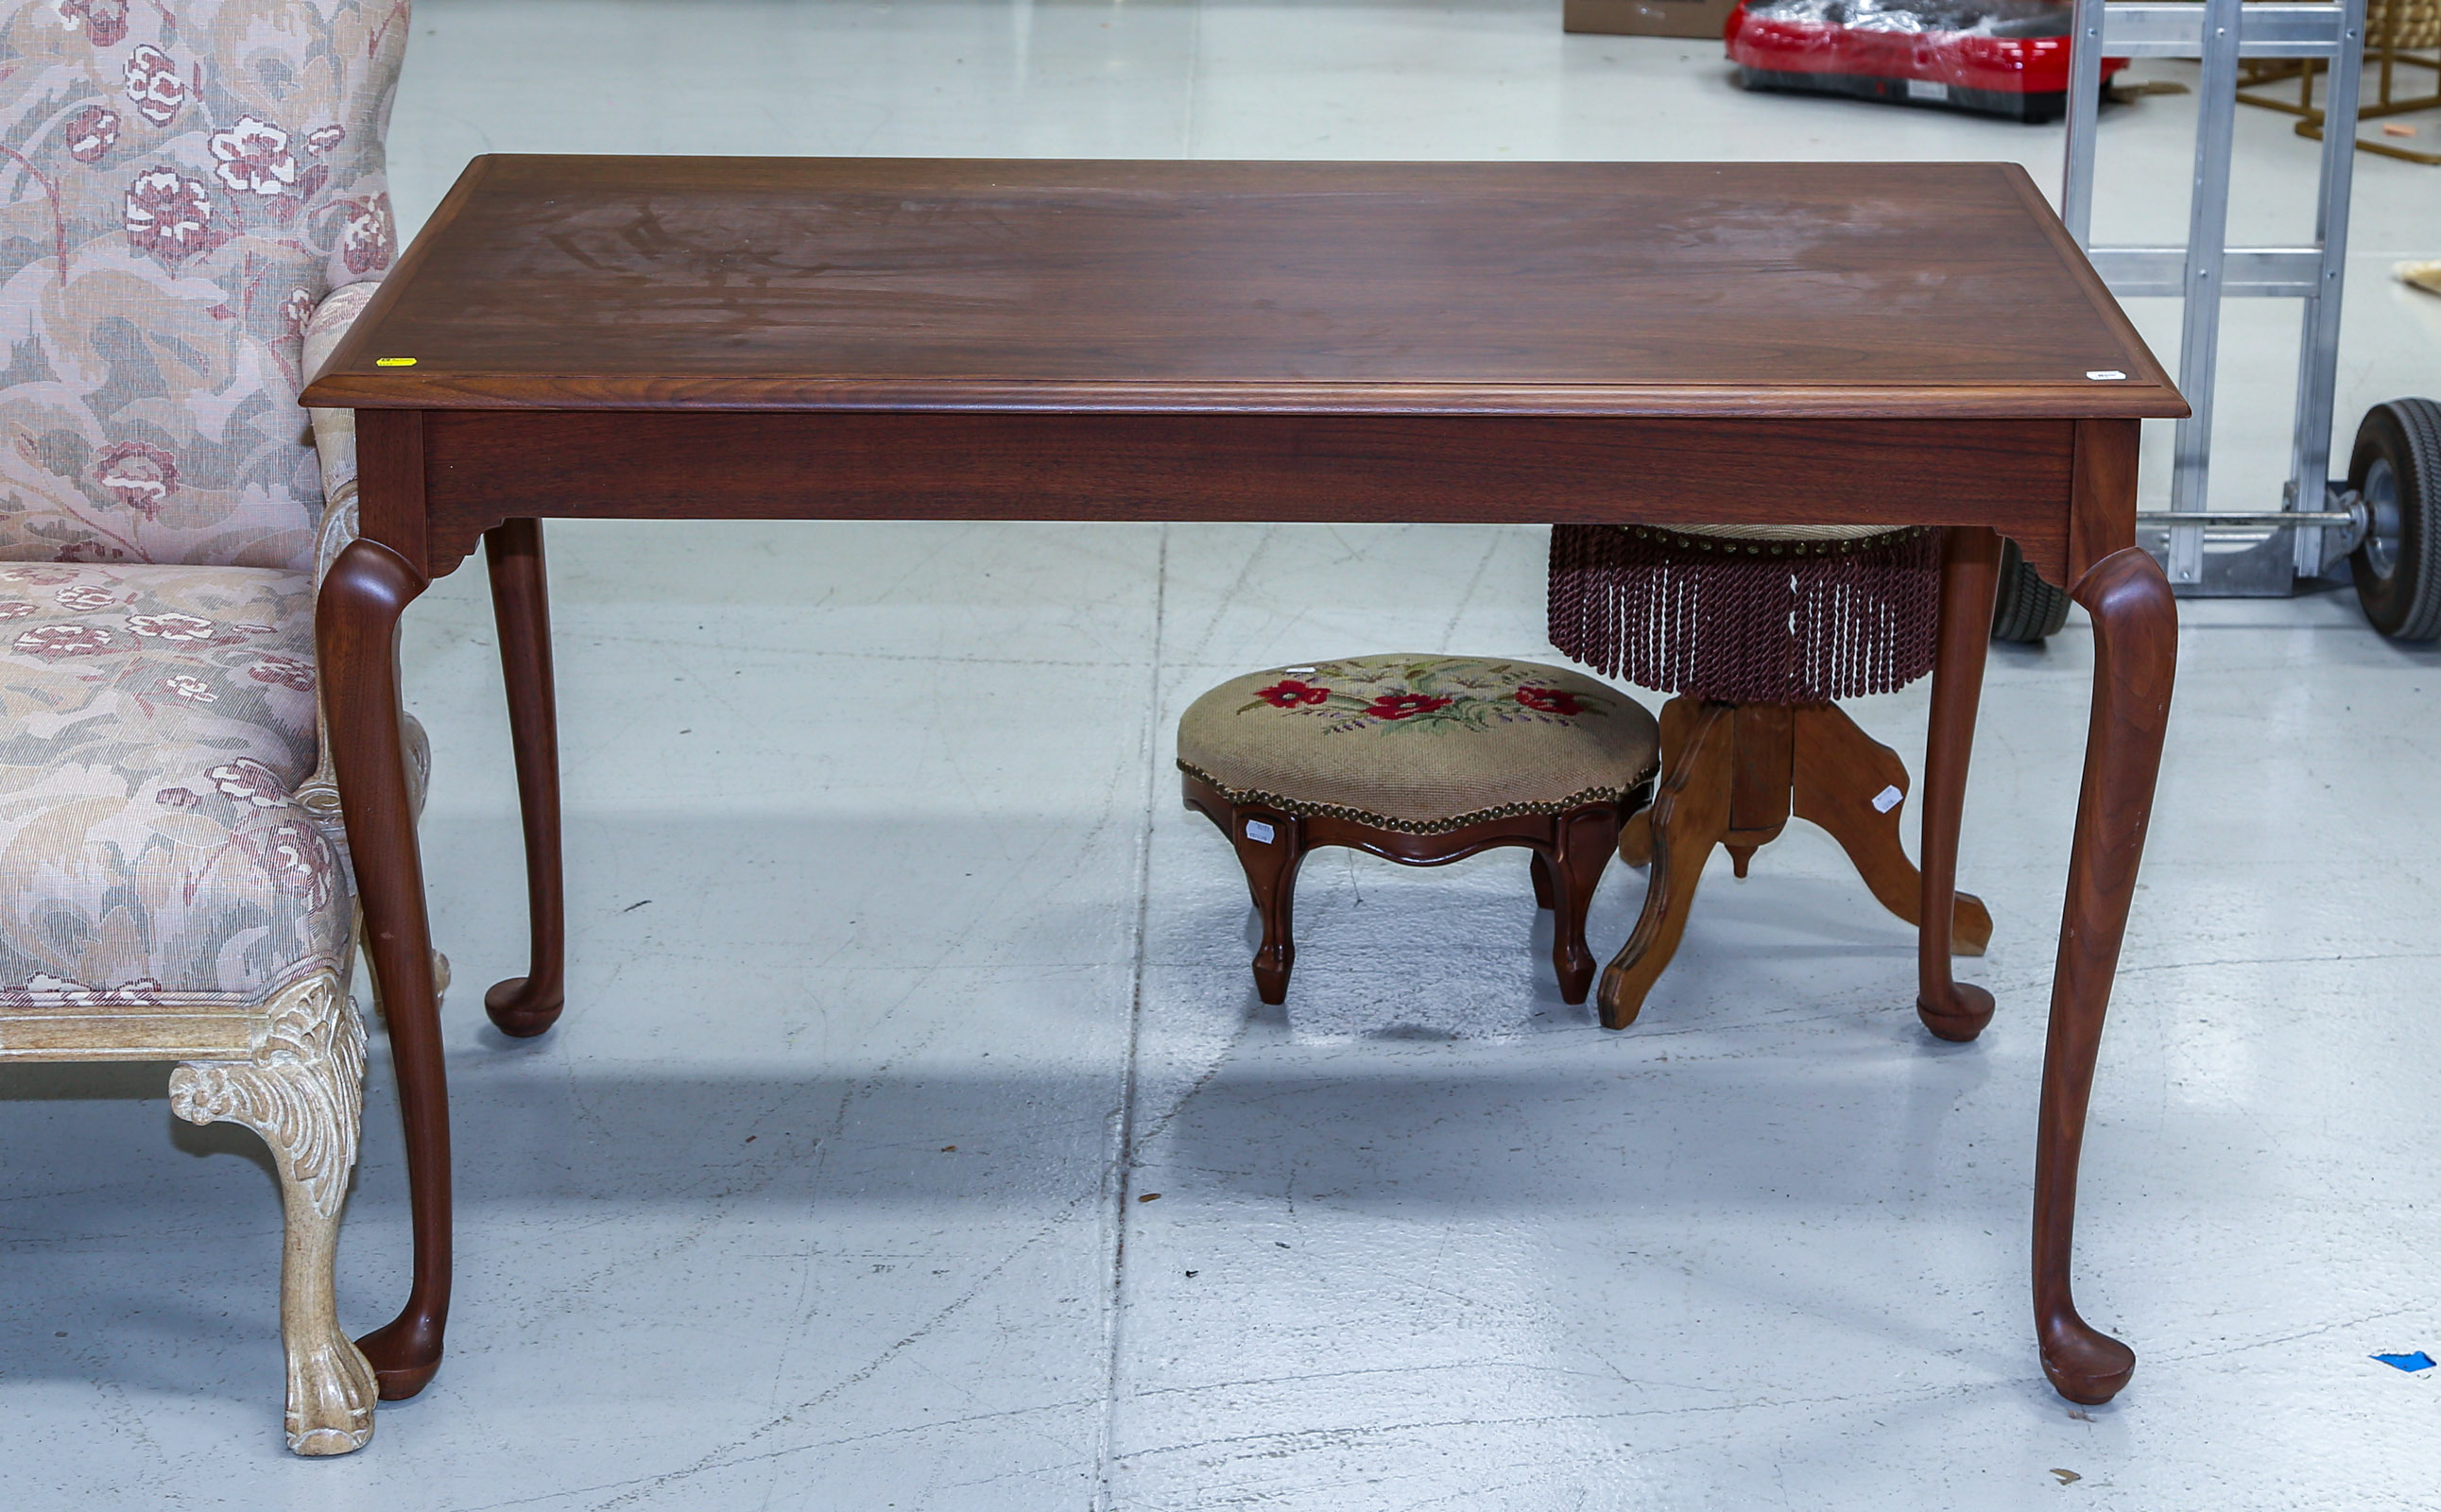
x=1732 y=776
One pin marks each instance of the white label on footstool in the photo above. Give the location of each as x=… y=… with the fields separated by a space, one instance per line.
x=1259 y=832
x=1887 y=800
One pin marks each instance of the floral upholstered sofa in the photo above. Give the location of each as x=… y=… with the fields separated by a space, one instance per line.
x=196 y=207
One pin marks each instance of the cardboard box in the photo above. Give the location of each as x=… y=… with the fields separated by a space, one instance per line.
x=1650 y=18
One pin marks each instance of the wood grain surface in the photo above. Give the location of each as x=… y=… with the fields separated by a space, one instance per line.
x=1820 y=289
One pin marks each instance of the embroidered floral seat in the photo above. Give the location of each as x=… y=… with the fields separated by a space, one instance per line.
x=1422 y=759
x=1420 y=744
x=187 y=186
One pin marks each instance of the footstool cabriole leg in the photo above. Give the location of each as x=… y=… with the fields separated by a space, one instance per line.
x=1584 y=840
x=1271 y=846
x=1970 y=567
x=530 y=1005
x=2135 y=632
x=356 y=619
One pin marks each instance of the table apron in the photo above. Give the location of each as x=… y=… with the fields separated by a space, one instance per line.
x=479 y=468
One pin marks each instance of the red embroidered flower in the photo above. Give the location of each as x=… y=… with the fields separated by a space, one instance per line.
x=138 y=474
x=1403 y=706
x=1291 y=693
x=92 y=132
x=169 y=215
x=252 y=158
x=366 y=243
x=105 y=21
x=15 y=611
x=153 y=83
x=322 y=139
x=1549 y=700
x=84 y=598
x=64 y=640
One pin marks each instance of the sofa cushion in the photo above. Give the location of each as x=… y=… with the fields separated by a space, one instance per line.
x=154 y=722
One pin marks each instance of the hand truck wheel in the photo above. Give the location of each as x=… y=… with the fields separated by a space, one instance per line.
x=2396 y=469
x=2026 y=609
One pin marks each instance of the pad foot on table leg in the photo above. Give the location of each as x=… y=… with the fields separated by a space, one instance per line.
x=405 y=1354
x=1959 y=1019
x=2085 y=1365
x=521 y=1008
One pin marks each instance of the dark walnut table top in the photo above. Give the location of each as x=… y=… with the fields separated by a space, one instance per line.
x=1816 y=290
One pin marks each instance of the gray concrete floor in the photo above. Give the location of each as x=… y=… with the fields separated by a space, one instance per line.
x=901 y=985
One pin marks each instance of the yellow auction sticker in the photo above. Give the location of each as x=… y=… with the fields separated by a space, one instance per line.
x=393 y=362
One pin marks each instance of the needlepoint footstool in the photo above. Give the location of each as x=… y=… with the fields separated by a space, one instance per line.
x=1422 y=760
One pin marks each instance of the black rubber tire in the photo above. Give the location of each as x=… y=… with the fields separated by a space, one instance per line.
x=2403 y=602
x=2026 y=609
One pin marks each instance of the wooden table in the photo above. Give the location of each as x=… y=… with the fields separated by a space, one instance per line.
x=743 y=338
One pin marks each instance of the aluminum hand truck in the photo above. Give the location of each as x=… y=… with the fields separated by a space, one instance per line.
x=2321 y=521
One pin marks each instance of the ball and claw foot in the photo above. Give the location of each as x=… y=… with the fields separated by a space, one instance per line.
x=2085 y=1365
x=519 y=1010
x=331 y=1393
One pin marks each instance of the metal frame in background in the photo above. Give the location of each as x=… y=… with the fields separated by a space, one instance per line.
x=2317 y=522
x=2382 y=26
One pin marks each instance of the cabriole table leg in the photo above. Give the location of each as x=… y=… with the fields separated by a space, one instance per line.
x=527 y=1005
x=356 y=617
x=2135 y=636
x=1970 y=575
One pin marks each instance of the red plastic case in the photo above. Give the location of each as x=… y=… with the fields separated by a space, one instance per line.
x=1994 y=57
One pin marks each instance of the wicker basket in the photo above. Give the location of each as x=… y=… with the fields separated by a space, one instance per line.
x=2402 y=23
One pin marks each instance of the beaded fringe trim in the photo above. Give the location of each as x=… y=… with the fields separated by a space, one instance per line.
x=1256 y=798
x=1756 y=621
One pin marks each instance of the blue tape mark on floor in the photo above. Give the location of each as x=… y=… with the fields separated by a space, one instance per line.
x=2418 y=1360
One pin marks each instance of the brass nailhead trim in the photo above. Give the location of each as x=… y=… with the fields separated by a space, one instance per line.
x=1249 y=796
x=1737 y=545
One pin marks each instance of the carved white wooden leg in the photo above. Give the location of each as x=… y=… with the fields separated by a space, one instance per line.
x=304 y=1093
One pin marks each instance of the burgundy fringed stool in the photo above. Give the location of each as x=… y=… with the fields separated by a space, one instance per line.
x=1757 y=629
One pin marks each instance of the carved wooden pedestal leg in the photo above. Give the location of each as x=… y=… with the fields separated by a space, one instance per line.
x=304 y=1093
x=1970 y=574
x=2135 y=636
x=364 y=593
x=1840 y=774
x=1689 y=816
x=527 y=1005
